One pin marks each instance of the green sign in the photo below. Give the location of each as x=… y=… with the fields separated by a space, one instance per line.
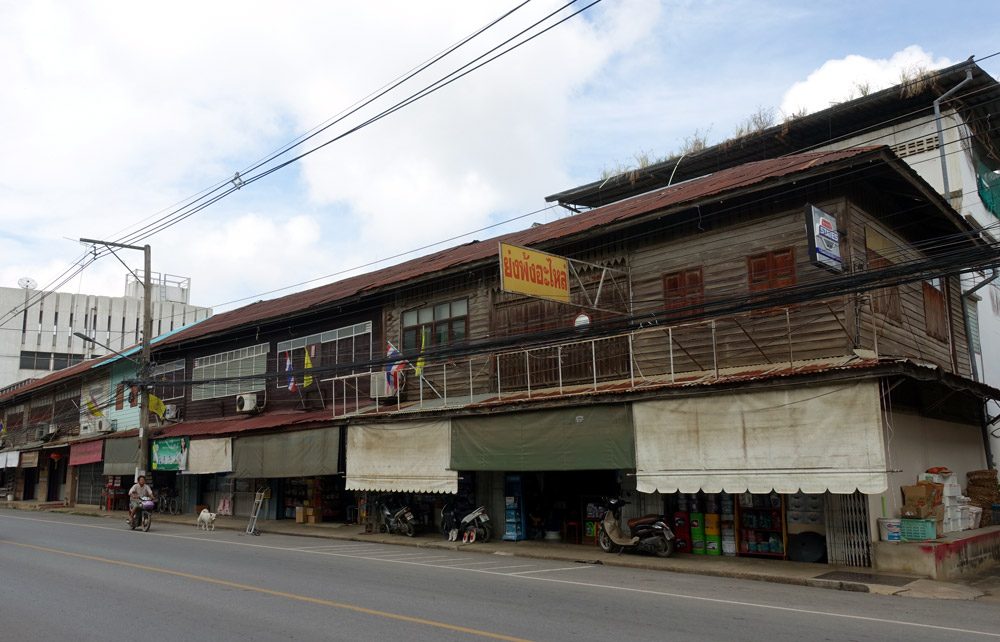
x=171 y=453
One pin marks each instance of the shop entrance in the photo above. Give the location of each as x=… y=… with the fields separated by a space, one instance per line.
x=57 y=477
x=30 y=481
x=557 y=505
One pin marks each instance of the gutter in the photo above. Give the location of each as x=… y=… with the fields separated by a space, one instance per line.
x=940 y=130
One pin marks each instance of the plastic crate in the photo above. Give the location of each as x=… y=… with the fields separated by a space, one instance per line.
x=917 y=530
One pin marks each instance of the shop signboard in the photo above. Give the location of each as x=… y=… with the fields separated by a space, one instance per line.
x=824 y=240
x=170 y=454
x=29 y=459
x=534 y=273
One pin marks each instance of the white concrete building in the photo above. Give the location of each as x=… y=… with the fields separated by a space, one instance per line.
x=40 y=339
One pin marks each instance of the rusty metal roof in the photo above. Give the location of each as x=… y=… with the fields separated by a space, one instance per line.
x=751 y=174
x=236 y=425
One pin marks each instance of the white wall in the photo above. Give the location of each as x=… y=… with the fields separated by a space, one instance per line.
x=914 y=444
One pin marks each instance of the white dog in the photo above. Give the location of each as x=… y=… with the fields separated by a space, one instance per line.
x=206 y=520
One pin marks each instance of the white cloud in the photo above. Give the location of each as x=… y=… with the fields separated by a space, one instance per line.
x=112 y=112
x=841 y=79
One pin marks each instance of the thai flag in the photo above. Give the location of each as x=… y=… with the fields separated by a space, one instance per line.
x=288 y=368
x=392 y=369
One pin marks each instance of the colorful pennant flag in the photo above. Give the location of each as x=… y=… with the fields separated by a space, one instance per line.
x=288 y=368
x=393 y=370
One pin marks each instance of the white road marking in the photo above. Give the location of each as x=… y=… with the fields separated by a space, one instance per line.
x=550 y=570
x=589 y=585
x=495 y=568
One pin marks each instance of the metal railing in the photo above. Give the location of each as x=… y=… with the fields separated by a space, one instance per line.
x=654 y=353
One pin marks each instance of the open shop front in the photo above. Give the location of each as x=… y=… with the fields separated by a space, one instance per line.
x=403 y=463
x=544 y=473
x=121 y=456
x=301 y=470
x=8 y=474
x=778 y=473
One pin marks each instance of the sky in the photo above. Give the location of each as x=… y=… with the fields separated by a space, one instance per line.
x=115 y=113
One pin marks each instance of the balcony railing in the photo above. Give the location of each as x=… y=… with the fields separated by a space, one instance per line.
x=653 y=354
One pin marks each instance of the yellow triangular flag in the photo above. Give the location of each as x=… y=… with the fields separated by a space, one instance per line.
x=308 y=380
x=93 y=409
x=419 y=367
x=156 y=406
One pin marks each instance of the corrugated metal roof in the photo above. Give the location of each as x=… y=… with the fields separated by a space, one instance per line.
x=236 y=425
x=750 y=174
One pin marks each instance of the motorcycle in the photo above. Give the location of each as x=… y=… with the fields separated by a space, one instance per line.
x=647 y=534
x=475 y=526
x=399 y=521
x=142 y=516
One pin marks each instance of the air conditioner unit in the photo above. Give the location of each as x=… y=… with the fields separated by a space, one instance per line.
x=53 y=428
x=246 y=403
x=41 y=431
x=171 y=411
x=379 y=387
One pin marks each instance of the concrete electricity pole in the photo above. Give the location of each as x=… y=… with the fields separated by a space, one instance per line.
x=144 y=365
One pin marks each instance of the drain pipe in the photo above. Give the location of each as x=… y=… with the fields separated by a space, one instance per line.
x=940 y=130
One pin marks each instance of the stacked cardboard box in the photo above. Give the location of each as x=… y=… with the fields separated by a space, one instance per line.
x=954 y=503
x=923 y=501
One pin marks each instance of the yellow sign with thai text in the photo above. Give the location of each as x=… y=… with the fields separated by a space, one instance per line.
x=534 y=273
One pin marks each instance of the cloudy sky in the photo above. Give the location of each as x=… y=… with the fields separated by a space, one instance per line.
x=113 y=113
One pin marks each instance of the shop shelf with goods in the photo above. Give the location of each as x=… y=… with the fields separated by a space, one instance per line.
x=760 y=525
x=515 y=528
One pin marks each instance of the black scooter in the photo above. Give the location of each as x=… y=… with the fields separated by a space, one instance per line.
x=647 y=534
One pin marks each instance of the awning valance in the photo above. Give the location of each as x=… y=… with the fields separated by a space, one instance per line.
x=121 y=456
x=289 y=454
x=90 y=452
x=10 y=458
x=210 y=456
x=813 y=439
x=29 y=459
x=410 y=456
x=582 y=438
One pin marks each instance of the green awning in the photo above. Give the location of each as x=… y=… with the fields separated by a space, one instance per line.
x=121 y=456
x=293 y=454
x=587 y=438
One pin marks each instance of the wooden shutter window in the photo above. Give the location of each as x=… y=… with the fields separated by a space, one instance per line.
x=935 y=312
x=771 y=270
x=120 y=396
x=684 y=290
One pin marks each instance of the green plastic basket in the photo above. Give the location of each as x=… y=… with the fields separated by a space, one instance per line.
x=917 y=530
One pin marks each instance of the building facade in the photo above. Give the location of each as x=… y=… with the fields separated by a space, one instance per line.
x=719 y=368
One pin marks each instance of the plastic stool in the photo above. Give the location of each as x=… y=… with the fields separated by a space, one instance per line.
x=572 y=526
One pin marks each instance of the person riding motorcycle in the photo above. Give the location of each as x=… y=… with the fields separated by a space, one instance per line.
x=135 y=494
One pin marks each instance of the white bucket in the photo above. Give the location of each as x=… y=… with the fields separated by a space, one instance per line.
x=889 y=529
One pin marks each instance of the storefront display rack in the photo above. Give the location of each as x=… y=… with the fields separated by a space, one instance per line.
x=760 y=526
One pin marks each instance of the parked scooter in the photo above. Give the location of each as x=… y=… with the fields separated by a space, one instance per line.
x=474 y=527
x=647 y=534
x=399 y=521
x=142 y=517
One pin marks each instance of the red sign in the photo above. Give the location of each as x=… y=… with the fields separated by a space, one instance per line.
x=88 y=453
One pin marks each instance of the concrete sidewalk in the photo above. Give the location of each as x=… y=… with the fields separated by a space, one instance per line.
x=797 y=573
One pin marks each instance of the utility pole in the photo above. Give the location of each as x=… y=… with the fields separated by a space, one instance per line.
x=144 y=365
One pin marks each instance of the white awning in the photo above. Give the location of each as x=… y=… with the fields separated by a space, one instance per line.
x=410 y=456
x=9 y=459
x=210 y=456
x=813 y=439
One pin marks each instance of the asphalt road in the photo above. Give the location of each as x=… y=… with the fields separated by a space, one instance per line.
x=80 y=578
